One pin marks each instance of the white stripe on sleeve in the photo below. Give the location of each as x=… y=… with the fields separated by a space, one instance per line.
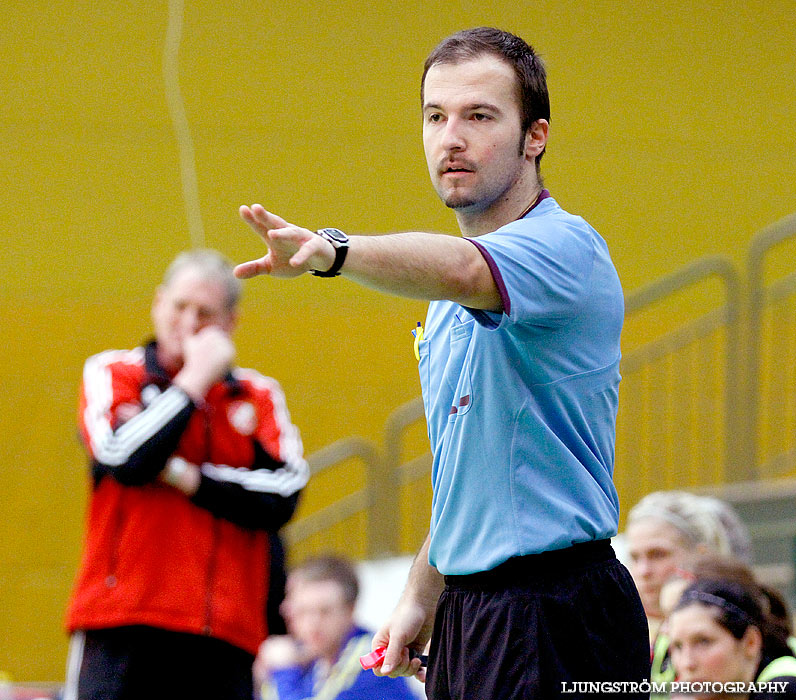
x=116 y=448
x=284 y=481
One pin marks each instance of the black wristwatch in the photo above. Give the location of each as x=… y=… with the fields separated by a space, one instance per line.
x=340 y=242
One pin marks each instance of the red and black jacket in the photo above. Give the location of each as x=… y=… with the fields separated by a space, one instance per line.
x=152 y=555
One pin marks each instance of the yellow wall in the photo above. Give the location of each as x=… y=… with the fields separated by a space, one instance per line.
x=672 y=133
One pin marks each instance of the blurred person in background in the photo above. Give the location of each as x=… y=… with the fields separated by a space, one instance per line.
x=320 y=657
x=716 y=567
x=720 y=633
x=665 y=532
x=195 y=466
x=666 y=529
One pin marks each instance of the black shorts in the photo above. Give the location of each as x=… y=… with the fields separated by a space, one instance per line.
x=133 y=663
x=537 y=625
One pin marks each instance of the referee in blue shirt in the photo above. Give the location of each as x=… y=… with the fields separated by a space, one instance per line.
x=517 y=585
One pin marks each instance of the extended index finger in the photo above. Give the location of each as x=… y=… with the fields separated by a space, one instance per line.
x=262 y=220
x=248 y=216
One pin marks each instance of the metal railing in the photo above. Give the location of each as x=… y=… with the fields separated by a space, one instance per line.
x=411 y=476
x=364 y=500
x=771 y=392
x=680 y=418
x=691 y=412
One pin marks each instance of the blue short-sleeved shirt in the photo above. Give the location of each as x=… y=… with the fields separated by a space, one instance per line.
x=521 y=406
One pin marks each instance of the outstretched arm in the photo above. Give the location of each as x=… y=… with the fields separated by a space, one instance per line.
x=416 y=265
x=412 y=621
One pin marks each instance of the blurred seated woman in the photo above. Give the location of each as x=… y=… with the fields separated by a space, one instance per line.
x=716 y=567
x=666 y=530
x=720 y=633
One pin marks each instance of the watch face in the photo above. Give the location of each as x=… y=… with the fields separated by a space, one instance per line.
x=335 y=234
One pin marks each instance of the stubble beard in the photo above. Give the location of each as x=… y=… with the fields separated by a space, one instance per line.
x=465 y=201
x=479 y=199
x=461 y=203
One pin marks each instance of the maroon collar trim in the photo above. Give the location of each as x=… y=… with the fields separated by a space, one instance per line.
x=544 y=194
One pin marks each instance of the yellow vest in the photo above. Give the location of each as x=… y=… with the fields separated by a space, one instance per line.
x=784 y=666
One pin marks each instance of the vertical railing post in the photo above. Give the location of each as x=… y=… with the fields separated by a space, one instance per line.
x=383 y=514
x=755 y=263
x=388 y=507
x=739 y=441
x=754 y=329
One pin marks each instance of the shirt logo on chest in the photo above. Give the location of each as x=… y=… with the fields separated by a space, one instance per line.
x=464 y=402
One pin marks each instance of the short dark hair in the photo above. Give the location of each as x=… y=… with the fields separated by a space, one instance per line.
x=330 y=568
x=525 y=62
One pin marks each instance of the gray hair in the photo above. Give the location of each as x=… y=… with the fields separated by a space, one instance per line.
x=737 y=538
x=700 y=520
x=211 y=265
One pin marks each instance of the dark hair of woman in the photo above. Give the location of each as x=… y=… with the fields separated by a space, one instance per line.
x=737 y=607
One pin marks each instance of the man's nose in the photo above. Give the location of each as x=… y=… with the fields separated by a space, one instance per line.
x=191 y=321
x=452 y=135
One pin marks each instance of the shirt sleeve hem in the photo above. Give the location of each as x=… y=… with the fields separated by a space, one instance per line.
x=505 y=299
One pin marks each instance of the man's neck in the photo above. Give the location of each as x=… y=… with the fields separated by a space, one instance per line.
x=514 y=206
x=327 y=661
x=330 y=658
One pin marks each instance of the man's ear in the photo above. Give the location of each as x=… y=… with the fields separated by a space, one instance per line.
x=536 y=138
x=156 y=301
x=232 y=321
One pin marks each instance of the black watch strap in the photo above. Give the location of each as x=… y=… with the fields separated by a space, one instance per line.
x=340 y=242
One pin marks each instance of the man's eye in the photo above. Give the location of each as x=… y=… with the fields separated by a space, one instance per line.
x=434 y=117
x=480 y=117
